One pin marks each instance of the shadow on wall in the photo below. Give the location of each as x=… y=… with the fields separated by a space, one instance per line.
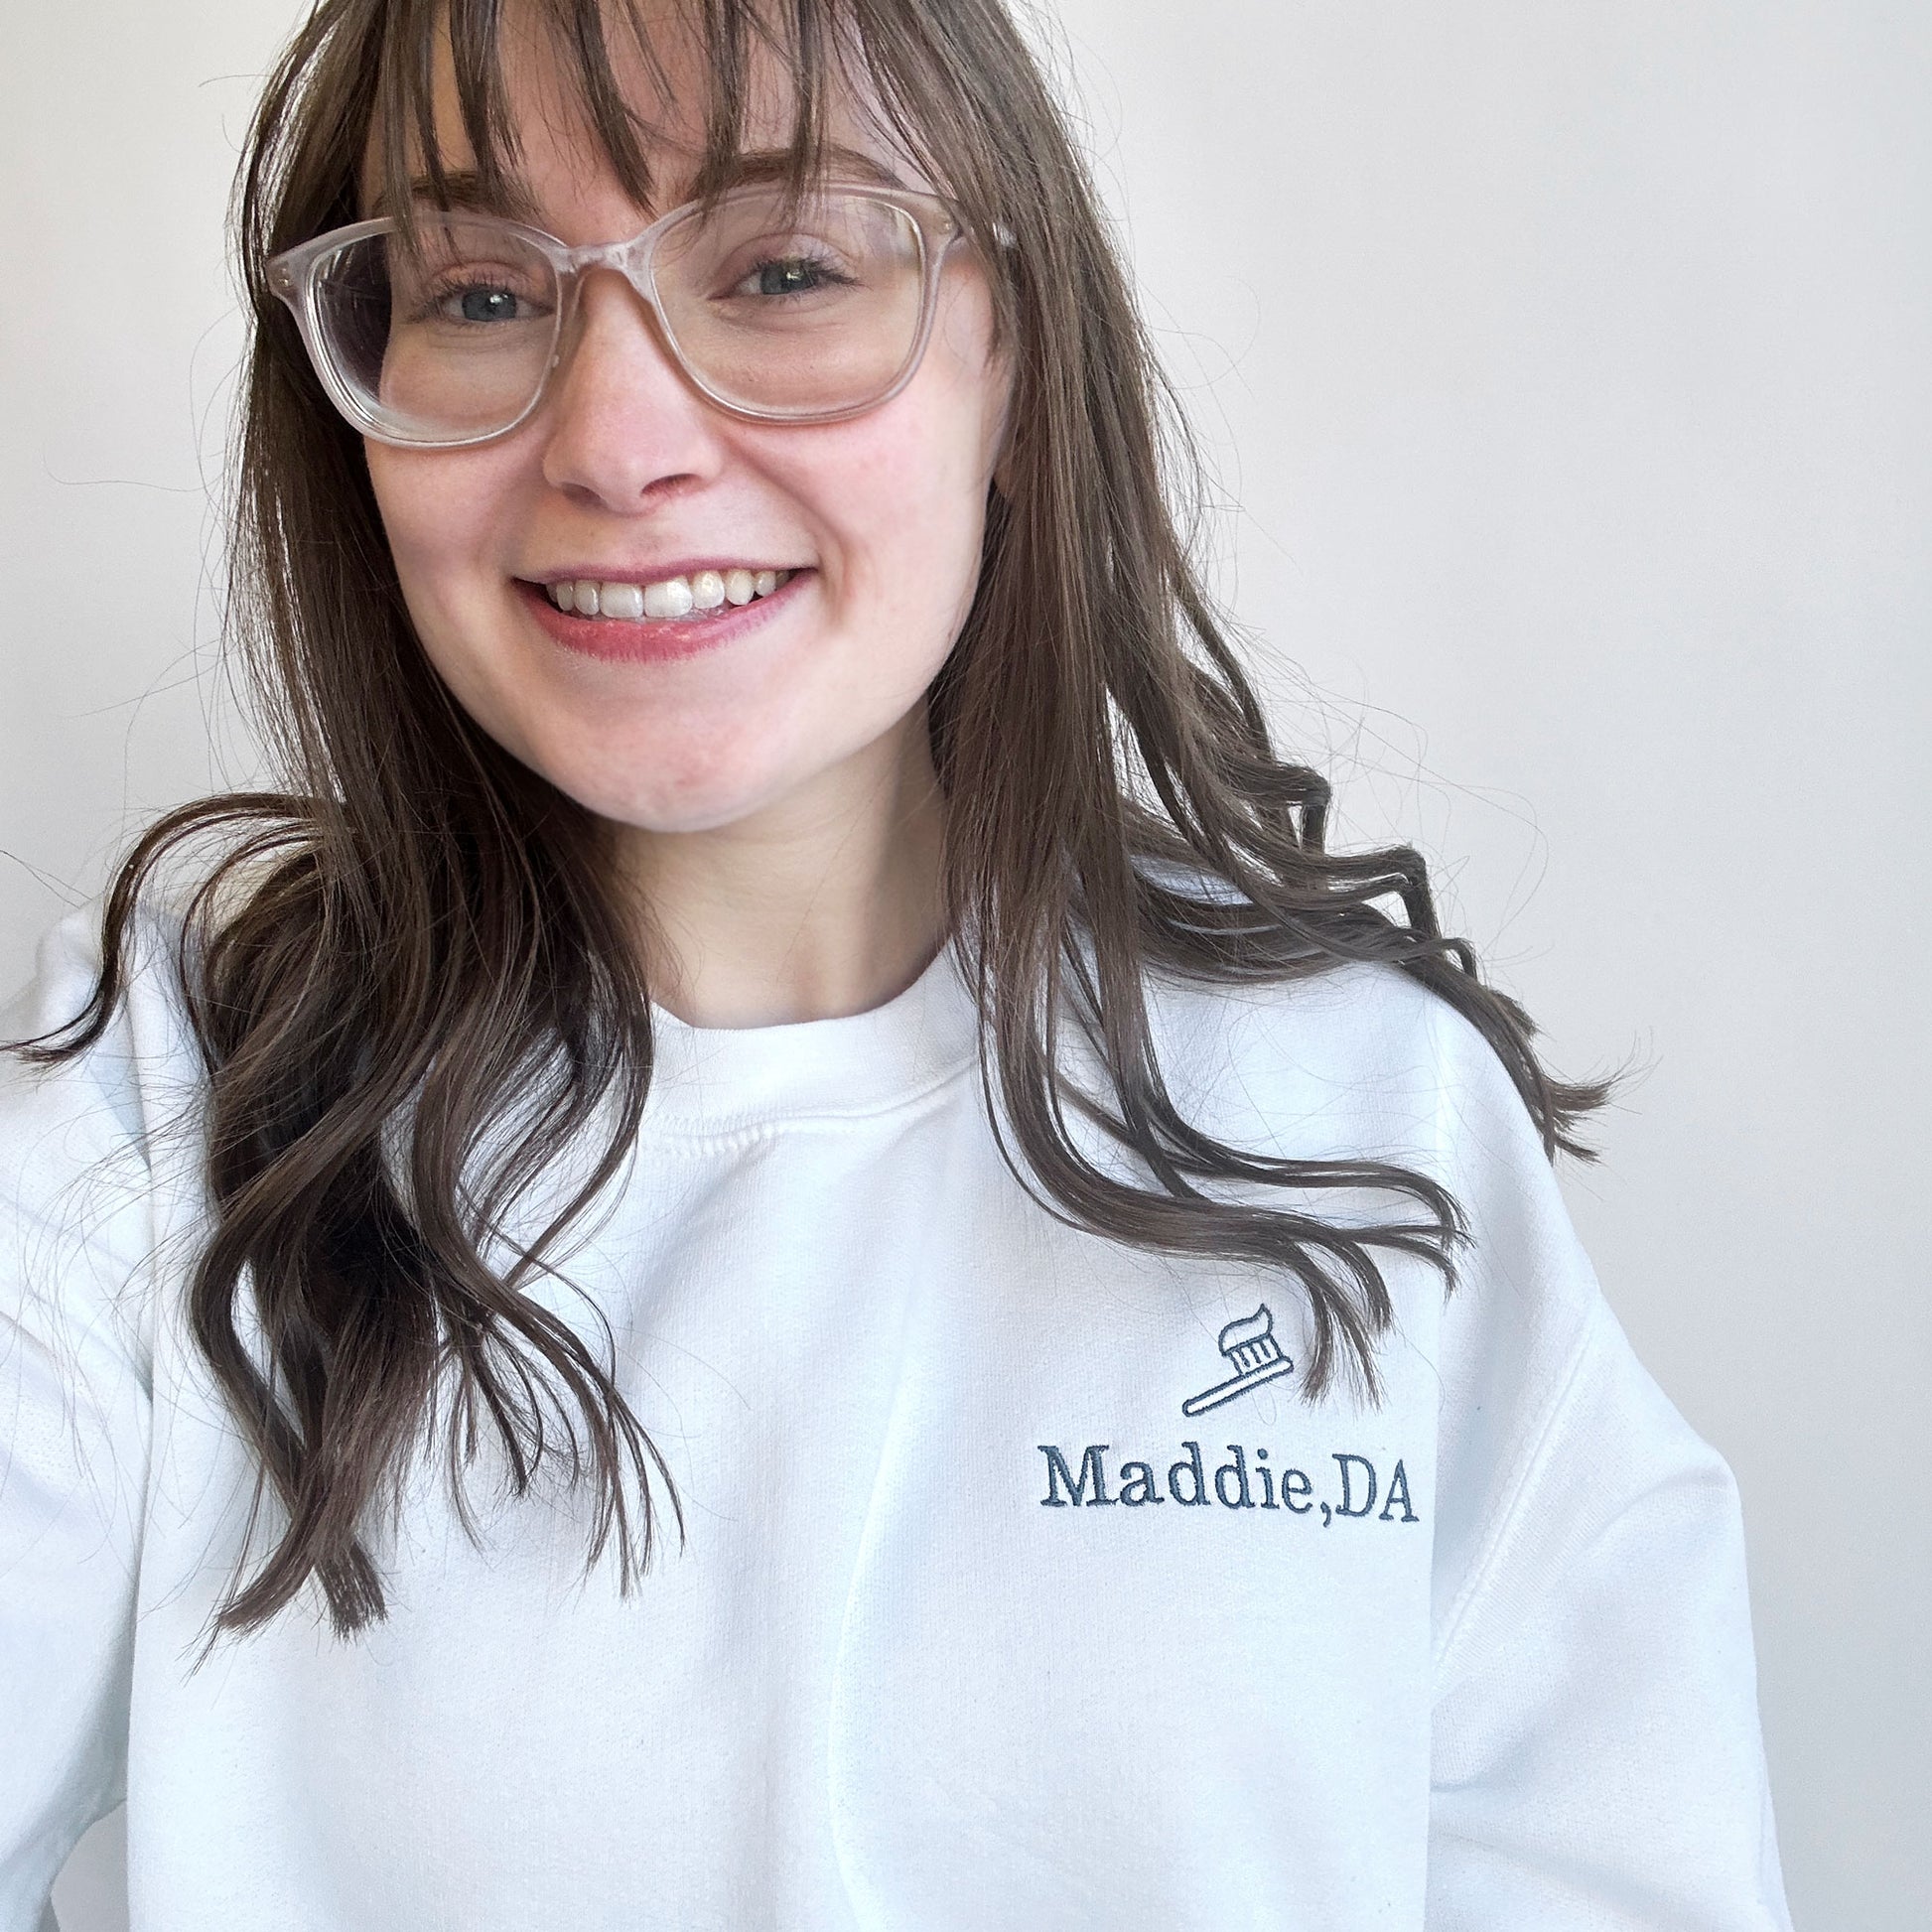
x=90 y=1894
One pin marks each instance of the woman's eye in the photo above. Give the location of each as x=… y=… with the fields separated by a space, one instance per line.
x=487 y=304
x=481 y=303
x=792 y=275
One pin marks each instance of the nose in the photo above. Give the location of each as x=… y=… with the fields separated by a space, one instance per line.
x=626 y=426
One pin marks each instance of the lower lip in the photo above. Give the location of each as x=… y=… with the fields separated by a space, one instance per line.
x=655 y=640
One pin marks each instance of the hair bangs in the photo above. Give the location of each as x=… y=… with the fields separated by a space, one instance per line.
x=806 y=54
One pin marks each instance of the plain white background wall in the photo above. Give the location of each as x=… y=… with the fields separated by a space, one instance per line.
x=1567 y=372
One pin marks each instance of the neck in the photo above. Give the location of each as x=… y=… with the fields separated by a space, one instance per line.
x=824 y=903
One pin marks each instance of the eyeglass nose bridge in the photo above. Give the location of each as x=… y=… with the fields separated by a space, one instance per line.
x=632 y=261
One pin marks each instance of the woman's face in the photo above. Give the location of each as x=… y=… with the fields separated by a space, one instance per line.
x=627 y=474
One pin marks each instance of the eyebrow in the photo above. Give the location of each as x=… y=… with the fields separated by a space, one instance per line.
x=465 y=187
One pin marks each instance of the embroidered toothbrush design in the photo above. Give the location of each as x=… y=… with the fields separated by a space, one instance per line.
x=1250 y=1347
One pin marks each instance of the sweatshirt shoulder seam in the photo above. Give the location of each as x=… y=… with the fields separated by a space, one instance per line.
x=1483 y=1564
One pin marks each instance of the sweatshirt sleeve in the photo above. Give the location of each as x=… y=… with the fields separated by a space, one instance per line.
x=75 y=1239
x=1597 y=1754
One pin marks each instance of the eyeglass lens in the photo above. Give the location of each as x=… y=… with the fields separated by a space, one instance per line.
x=450 y=334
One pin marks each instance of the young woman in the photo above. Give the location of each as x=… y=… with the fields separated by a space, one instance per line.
x=780 y=1248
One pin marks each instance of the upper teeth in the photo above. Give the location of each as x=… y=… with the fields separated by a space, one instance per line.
x=674 y=597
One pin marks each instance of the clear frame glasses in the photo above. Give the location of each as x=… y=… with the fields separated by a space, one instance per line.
x=776 y=308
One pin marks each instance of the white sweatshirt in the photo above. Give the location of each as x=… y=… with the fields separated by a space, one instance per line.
x=1021 y=1586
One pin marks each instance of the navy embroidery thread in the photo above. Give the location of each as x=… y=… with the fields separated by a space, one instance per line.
x=1256 y=1356
x=1232 y=1485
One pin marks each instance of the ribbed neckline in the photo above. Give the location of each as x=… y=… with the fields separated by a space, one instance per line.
x=716 y=1080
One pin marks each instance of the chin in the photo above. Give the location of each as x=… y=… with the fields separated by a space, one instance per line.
x=668 y=804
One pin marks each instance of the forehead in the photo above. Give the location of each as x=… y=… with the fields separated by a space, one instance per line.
x=554 y=161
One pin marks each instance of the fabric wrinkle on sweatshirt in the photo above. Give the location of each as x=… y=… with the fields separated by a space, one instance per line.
x=976 y=1622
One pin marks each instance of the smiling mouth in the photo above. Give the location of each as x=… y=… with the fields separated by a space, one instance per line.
x=703 y=593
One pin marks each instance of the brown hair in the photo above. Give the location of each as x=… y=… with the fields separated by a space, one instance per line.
x=418 y=928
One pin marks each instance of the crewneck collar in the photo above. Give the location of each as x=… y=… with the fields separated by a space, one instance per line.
x=720 y=1079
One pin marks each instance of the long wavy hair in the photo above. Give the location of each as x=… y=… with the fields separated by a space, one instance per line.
x=417 y=929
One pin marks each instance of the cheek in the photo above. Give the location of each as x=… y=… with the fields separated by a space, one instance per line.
x=443 y=512
x=906 y=506
x=912 y=511
x=440 y=511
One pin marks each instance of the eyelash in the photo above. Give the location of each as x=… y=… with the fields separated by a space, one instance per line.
x=822 y=267
x=458 y=284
